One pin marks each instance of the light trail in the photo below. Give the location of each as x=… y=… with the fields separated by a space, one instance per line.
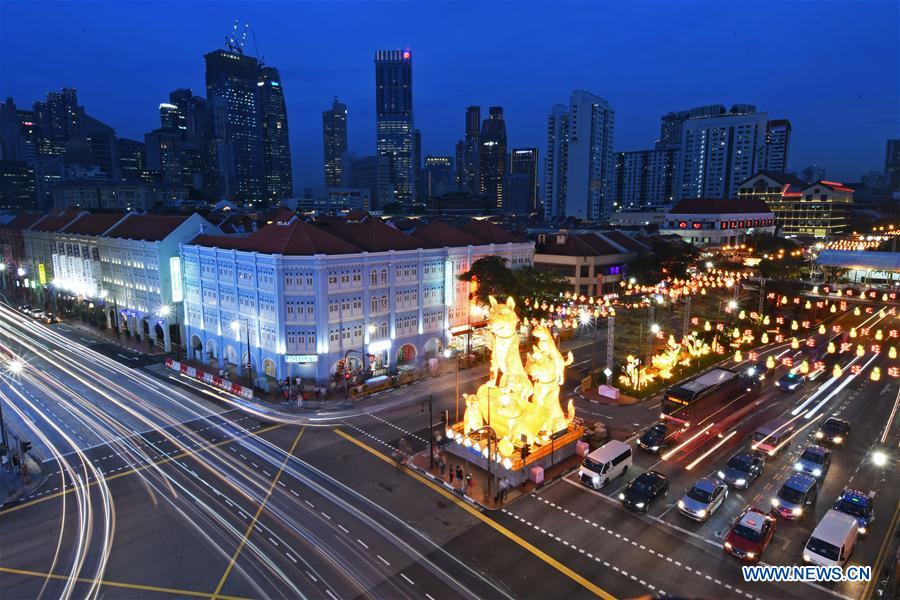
x=710 y=451
x=686 y=442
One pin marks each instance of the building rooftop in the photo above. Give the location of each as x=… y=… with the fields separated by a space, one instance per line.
x=23 y=220
x=440 y=235
x=489 y=233
x=620 y=239
x=719 y=206
x=782 y=178
x=55 y=220
x=296 y=238
x=586 y=244
x=149 y=228
x=833 y=185
x=94 y=224
x=373 y=235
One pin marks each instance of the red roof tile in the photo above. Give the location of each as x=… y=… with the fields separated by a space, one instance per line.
x=294 y=239
x=56 y=220
x=94 y=224
x=373 y=235
x=834 y=185
x=149 y=228
x=23 y=220
x=588 y=244
x=623 y=240
x=490 y=233
x=440 y=235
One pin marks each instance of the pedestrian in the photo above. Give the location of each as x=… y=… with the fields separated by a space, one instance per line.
x=459 y=475
x=504 y=489
x=469 y=483
x=442 y=466
x=450 y=476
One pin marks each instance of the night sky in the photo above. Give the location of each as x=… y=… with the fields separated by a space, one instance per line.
x=832 y=68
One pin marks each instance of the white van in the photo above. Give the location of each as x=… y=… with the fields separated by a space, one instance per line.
x=832 y=540
x=606 y=462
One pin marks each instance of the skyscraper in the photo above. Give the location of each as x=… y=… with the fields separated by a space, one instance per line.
x=334 y=139
x=394 y=120
x=276 y=145
x=778 y=139
x=892 y=164
x=718 y=152
x=231 y=89
x=524 y=161
x=438 y=176
x=132 y=160
x=467 y=164
x=492 y=156
x=645 y=179
x=170 y=117
x=581 y=140
x=812 y=174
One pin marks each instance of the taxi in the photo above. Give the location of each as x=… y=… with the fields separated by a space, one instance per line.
x=750 y=534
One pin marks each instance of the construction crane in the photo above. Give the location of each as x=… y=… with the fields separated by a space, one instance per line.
x=231 y=41
x=260 y=58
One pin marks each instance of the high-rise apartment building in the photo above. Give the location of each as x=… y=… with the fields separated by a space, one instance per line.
x=394 y=121
x=276 y=145
x=437 y=176
x=467 y=163
x=132 y=161
x=232 y=80
x=334 y=139
x=492 y=156
x=524 y=161
x=812 y=174
x=580 y=163
x=718 y=152
x=892 y=164
x=778 y=139
x=59 y=117
x=645 y=179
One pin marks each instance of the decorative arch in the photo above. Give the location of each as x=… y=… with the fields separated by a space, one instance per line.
x=269 y=367
x=406 y=355
x=432 y=348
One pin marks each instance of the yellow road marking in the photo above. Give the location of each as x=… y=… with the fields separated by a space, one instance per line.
x=119 y=584
x=884 y=546
x=478 y=515
x=134 y=470
x=259 y=510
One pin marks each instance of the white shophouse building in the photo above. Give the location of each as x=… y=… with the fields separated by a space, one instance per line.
x=298 y=299
x=718 y=222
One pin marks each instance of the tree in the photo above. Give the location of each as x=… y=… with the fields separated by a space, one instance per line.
x=538 y=286
x=663 y=259
x=493 y=278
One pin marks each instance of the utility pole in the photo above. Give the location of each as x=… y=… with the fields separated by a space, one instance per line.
x=430 y=433
x=687 y=315
x=762 y=294
x=610 y=338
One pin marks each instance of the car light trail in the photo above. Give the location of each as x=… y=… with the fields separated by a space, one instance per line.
x=756 y=443
x=686 y=442
x=710 y=451
x=836 y=390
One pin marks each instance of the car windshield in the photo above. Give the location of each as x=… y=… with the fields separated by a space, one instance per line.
x=823 y=548
x=790 y=377
x=851 y=508
x=813 y=457
x=747 y=533
x=790 y=495
x=833 y=426
x=699 y=495
x=740 y=463
x=593 y=465
x=644 y=488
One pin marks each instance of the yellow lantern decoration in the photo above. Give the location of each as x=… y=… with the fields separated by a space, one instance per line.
x=833 y=309
x=742 y=315
x=794 y=326
x=784 y=300
x=860 y=350
x=770 y=362
x=795 y=343
x=853 y=332
x=822 y=329
x=736 y=333
x=836 y=371
x=831 y=348
x=738 y=357
x=808 y=305
x=878 y=335
x=764 y=338
x=892 y=352
x=707 y=326
x=876 y=374
x=766 y=320
x=804 y=367
x=856 y=312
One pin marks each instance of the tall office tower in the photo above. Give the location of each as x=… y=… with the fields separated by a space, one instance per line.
x=236 y=128
x=192 y=119
x=524 y=161
x=17 y=189
x=492 y=156
x=892 y=164
x=437 y=176
x=334 y=138
x=58 y=118
x=580 y=162
x=170 y=117
x=100 y=140
x=417 y=162
x=13 y=142
x=718 y=152
x=645 y=179
x=467 y=162
x=812 y=174
x=394 y=121
x=276 y=145
x=131 y=159
x=778 y=140
x=162 y=151
x=370 y=173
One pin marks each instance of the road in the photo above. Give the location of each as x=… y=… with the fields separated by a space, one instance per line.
x=158 y=489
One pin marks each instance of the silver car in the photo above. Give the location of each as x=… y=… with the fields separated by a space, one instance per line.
x=703 y=499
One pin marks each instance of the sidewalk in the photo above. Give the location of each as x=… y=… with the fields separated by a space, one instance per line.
x=477 y=492
x=130 y=343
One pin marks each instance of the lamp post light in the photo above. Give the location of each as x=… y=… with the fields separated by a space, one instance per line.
x=236 y=328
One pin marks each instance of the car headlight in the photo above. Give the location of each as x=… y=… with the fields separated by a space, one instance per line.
x=797 y=511
x=819 y=435
x=595 y=478
x=681 y=504
x=751 y=555
x=806 y=557
x=655 y=448
x=798 y=467
x=772 y=452
x=621 y=496
x=640 y=505
x=838 y=439
x=817 y=472
x=701 y=512
x=728 y=545
x=721 y=474
x=862 y=530
x=741 y=481
x=775 y=502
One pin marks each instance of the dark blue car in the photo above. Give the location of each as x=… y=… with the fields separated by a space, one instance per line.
x=859 y=505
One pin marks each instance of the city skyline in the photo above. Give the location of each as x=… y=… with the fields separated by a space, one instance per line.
x=314 y=70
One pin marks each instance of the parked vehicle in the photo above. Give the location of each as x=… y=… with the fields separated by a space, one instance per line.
x=703 y=499
x=605 y=463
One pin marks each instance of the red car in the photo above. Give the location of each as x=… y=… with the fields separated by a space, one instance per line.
x=749 y=534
